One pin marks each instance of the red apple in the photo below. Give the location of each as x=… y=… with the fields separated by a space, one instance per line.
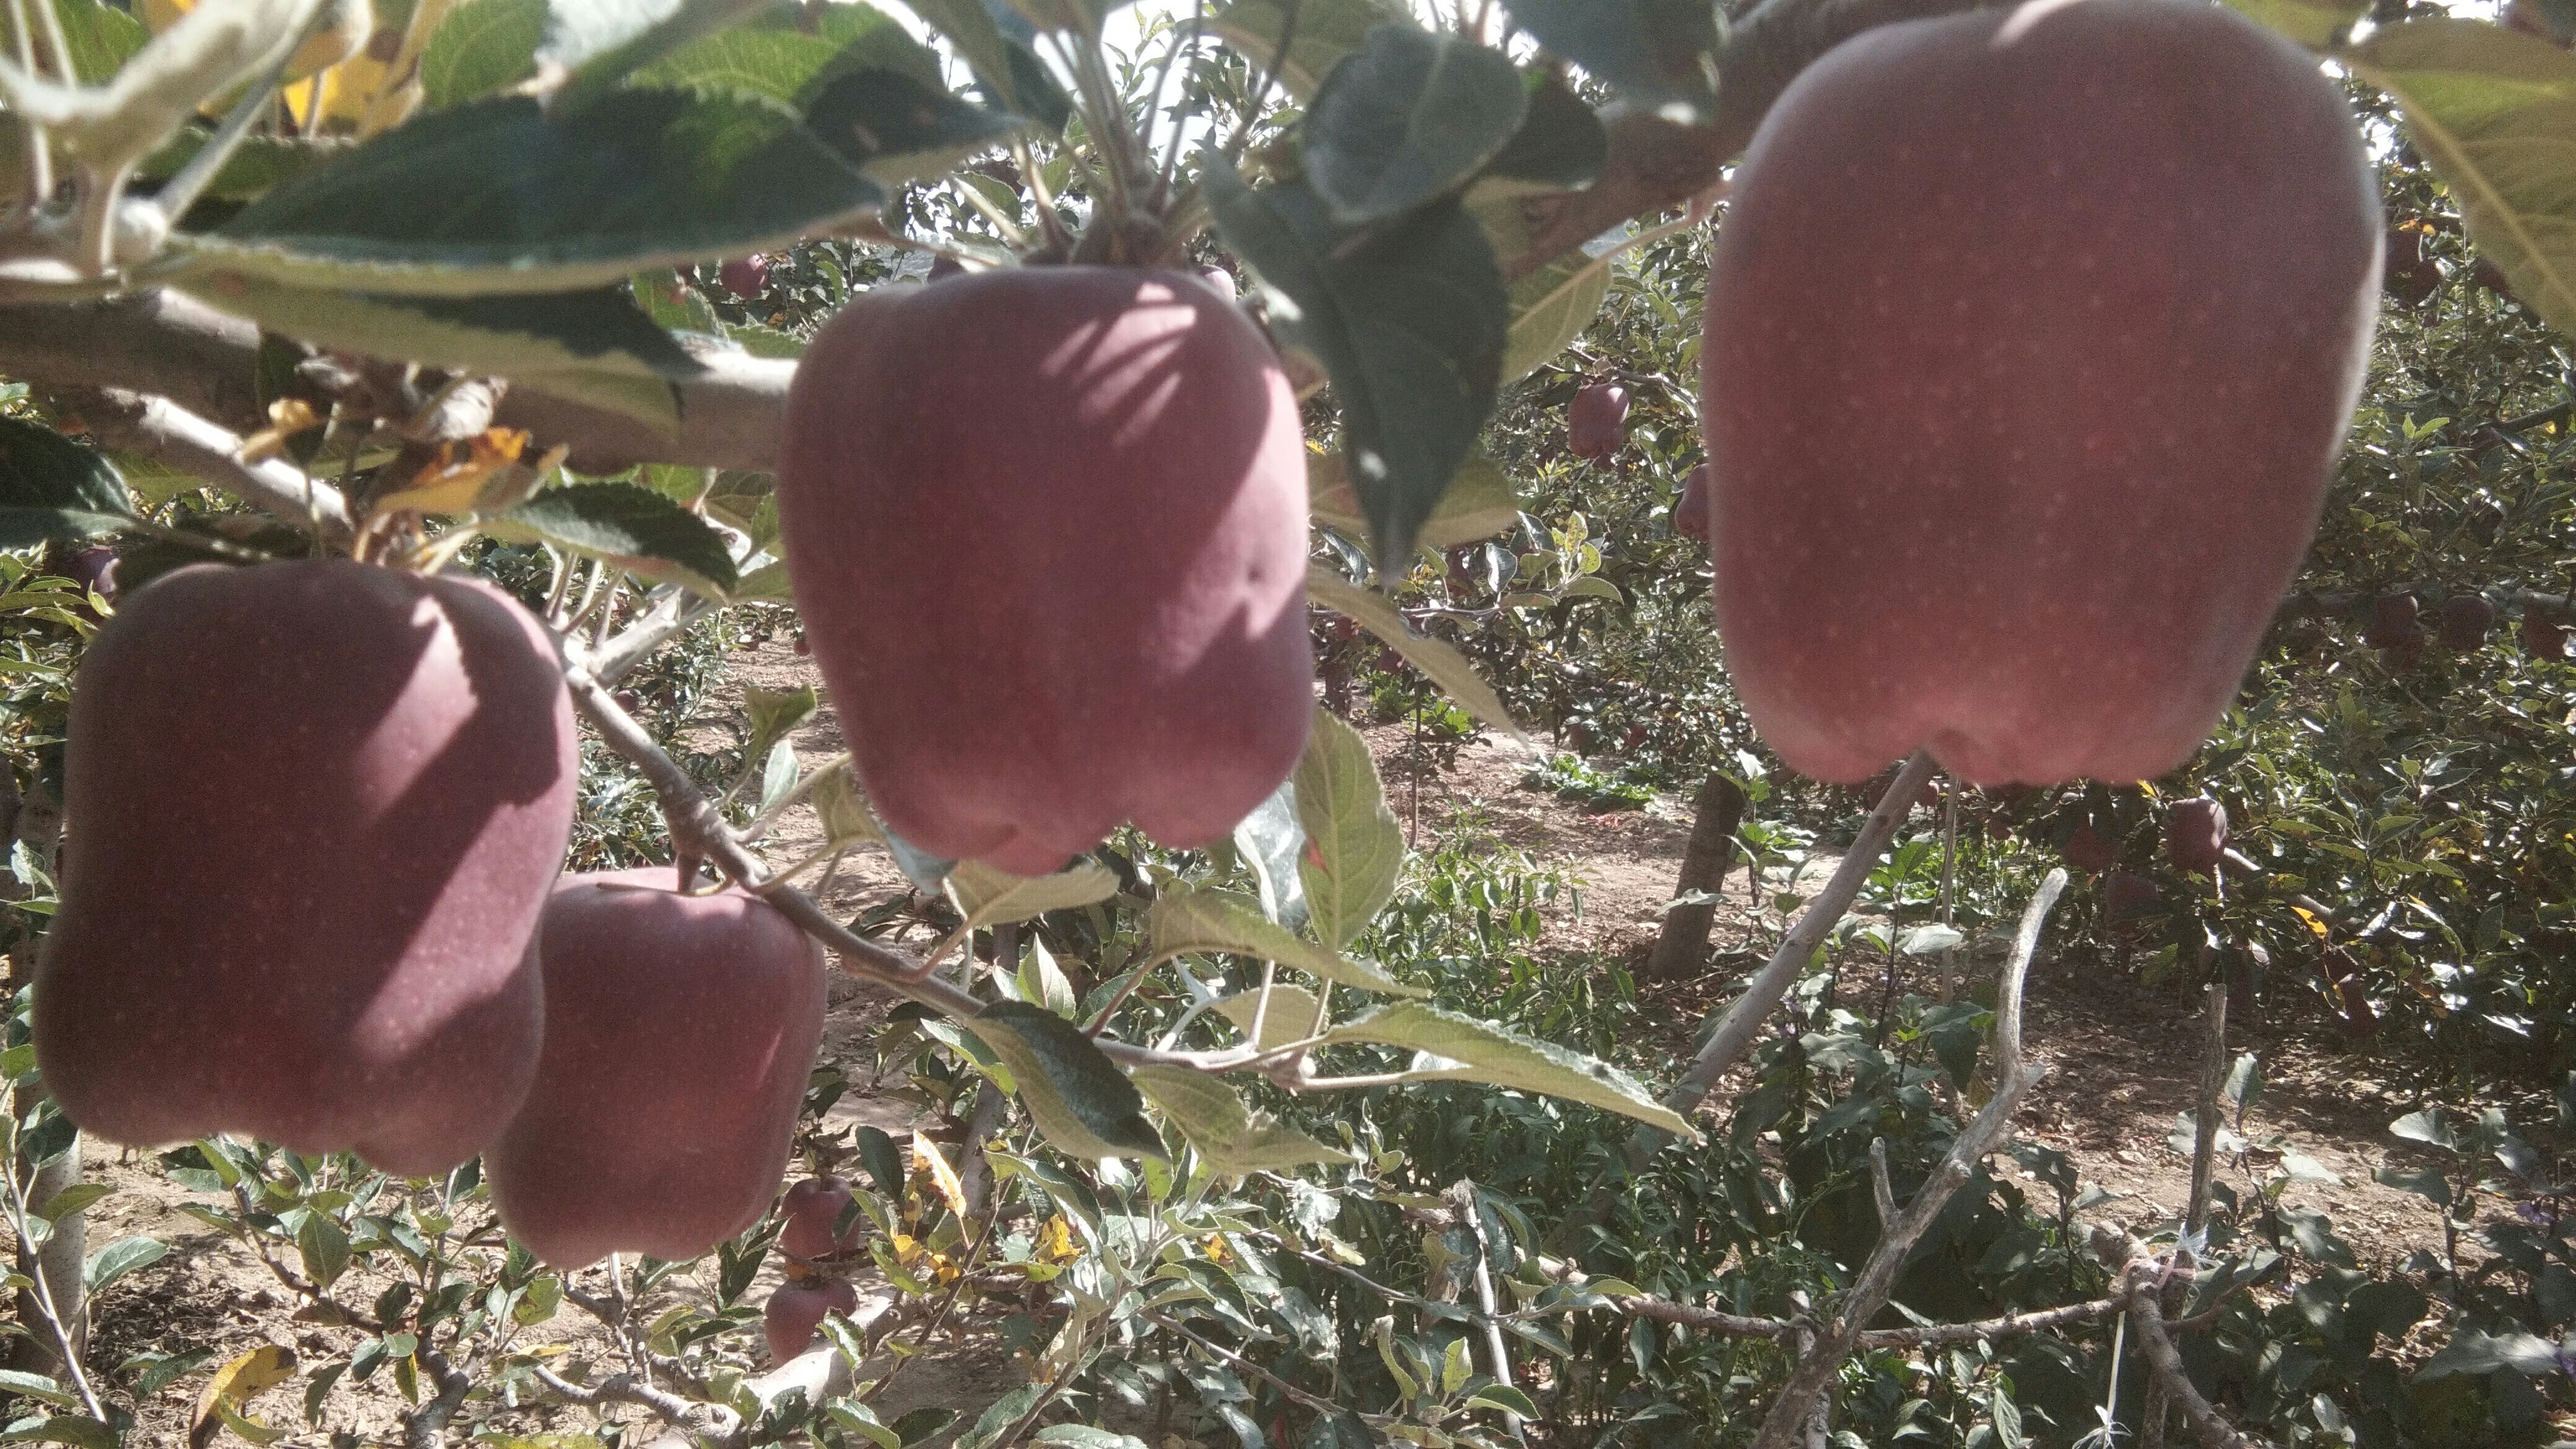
x=2196 y=834
x=680 y=1030
x=1597 y=422
x=2466 y=618
x=1690 y=513
x=313 y=810
x=2031 y=337
x=796 y=1310
x=2087 y=851
x=2543 y=637
x=812 y=1208
x=2394 y=622
x=1048 y=533
x=1221 y=280
x=745 y=277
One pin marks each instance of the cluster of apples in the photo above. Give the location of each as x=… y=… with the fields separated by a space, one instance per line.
x=2195 y=841
x=813 y=1237
x=316 y=814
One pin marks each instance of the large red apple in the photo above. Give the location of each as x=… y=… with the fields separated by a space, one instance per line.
x=312 y=811
x=2031 y=334
x=811 y=1210
x=1048 y=533
x=2196 y=834
x=680 y=1030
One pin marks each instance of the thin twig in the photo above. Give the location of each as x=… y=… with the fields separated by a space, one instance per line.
x=1987 y=1133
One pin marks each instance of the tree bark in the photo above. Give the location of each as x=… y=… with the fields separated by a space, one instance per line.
x=1683 y=943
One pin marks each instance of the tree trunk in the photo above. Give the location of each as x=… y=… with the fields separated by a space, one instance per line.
x=1683 y=943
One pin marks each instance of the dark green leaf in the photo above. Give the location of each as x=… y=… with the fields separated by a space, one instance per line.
x=257 y=165
x=1560 y=144
x=595 y=346
x=37 y=1386
x=918 y=1425
x=1659 y=53
x=52 y=488
x=996 y=43
x=1408 y=118
x=895 y=129
x=1083 y=1103
x=884 y=1162
x=119 y=1258
x=483 y=46
x=1232 y=1138
x=2315 y=24
x=1210 y=921
x=1410 y=324
x=631 y=527
x=1325 y=31
x=2474 y=1352
x=79 y=1429
x=1270 y=841
x=2432 y=1128
x=603 y=41
x=502 y=195
x=2424 y=1182
x=1552 y=305
x=324 y=1247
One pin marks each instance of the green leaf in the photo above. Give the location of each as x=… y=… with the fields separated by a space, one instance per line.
x=75 y=1198
x=2424 y=1182
x=100 y=38
x=52 y=488
x=257 y=165
x=1044 y=982
x=604 y=41
x=1326 y=30
x=1409 y=322
x=1294 y=1015
x=483 y=46
x=1354 y=848
x=1443 y=663
x=1185 y=920
x=627 y=526
x=1560 y=144
x=160 y=1370
x=894 y=129
x=996 y=44
x=843 y=808
x=2471 y=1351
x=324 y=1246
x=2431 y=1127
x=1478 y=503
x=992 y=897
x=1407 y=118
x=1551 y=306
x=1081 y=1102
x=594 y=346
x=1504 y=1397
x=37 y=1386
x=504 y=195
x=79 y=1429
x=2494 y=110
x=1084 y=1436
x=1661 y=54
x=1234 y=1139
x=775 y=712
x=1476 y=1051
x=119 y=1258
x=2316 y=24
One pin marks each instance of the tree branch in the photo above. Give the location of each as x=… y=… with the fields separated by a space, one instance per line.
x=1988 y=1132
x=2145 y=1286
x=162 y=430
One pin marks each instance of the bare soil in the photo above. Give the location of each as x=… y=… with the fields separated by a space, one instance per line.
x=2125 y=1061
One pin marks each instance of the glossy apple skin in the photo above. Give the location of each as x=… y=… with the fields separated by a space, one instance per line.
x=680 y=1031
x=312 y=813
x=1597 y=421
x=811 y=1209
x=2196 y=834
x=2031 y=337
x=745 y=277
x=1048 y=532
x=796 y=1310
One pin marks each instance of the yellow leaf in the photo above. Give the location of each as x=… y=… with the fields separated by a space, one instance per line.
x=1055 y=1241
x=926 y=1159
x=455 y=481
x=236 y=1383
x=2309 y=919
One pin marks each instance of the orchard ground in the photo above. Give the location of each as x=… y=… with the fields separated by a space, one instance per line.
x=2124 y=1062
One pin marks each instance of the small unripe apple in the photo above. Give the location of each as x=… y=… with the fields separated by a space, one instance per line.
x=2127 y=895
x=745 y=277
x=1047 y=528
x=2466 y=618
x=2196 y=834
x=1597 y=422
x=796 y=1311
x=2544 y=638
x=312 y=811
x=2087 y=851
x=812 y=1209
x=680 y=1031
x=1690 y=513
x=2034 y=513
